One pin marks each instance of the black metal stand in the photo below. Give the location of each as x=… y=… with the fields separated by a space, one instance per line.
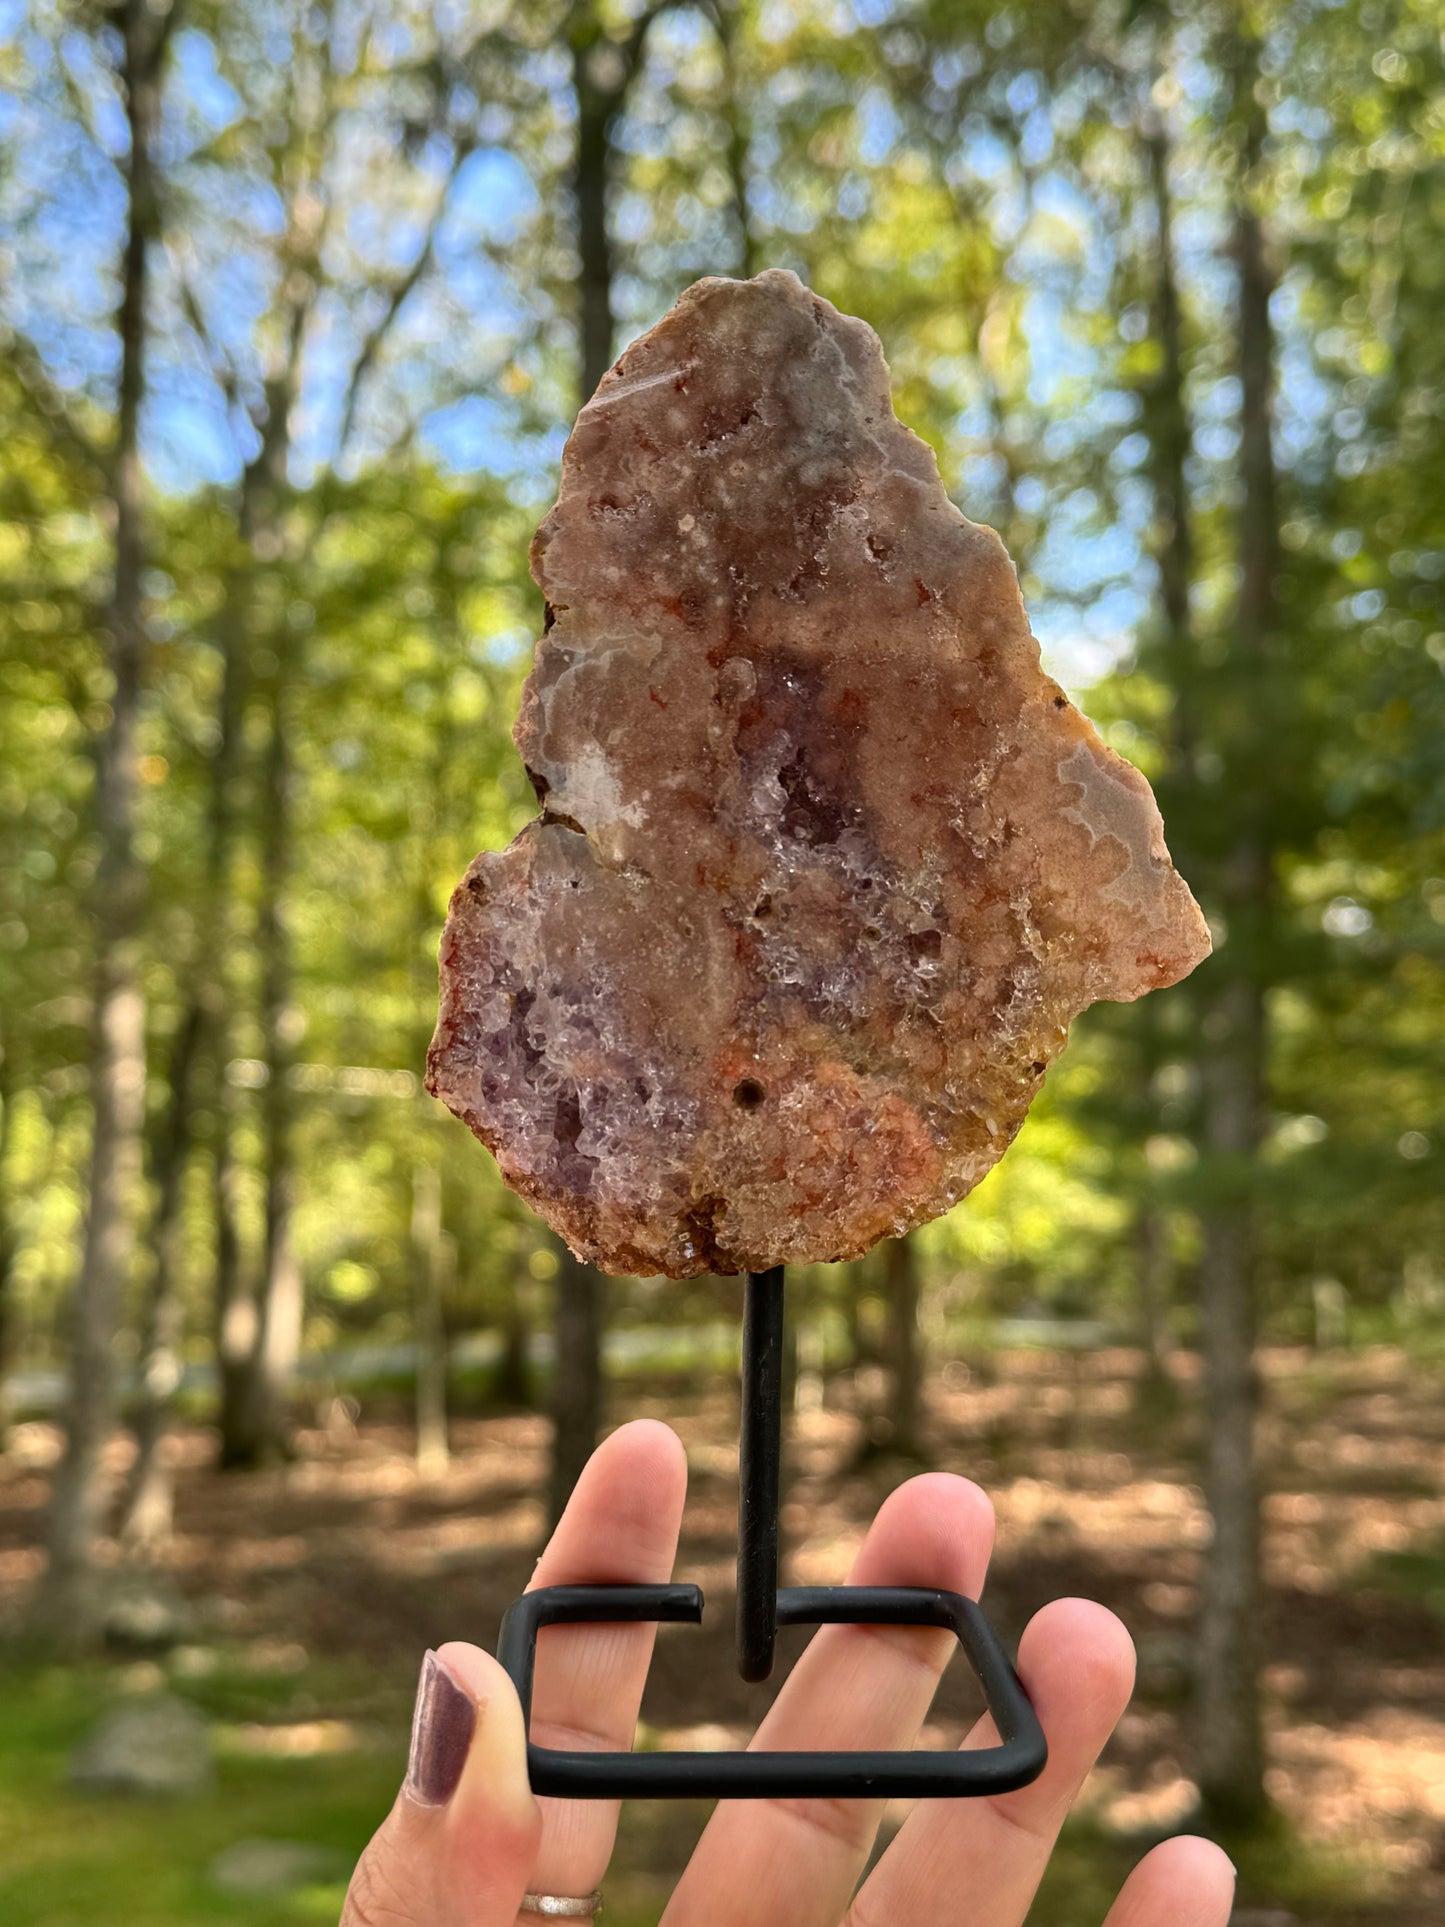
x=760 y=1455
x=762 y=1608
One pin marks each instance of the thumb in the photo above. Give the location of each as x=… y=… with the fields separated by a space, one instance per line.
x=456 y=1849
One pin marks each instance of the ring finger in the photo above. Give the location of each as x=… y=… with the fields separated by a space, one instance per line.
x=1077 y=1663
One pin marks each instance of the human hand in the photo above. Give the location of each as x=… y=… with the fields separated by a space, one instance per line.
x=466 y=1839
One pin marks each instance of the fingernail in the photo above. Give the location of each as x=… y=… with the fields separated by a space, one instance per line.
x=441 y=1735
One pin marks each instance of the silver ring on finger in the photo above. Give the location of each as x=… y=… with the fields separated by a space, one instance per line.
x=563 y=1906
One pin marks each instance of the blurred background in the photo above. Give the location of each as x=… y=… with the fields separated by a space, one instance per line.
x=297 y=301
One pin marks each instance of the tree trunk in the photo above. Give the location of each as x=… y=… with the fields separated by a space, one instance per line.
x=1167 y=416
x=430 y=1269
x=577 y=1395
x=892 y=1422
x=259 y=1330
x=596 y=106
x=861 y=1349
x=235 y=1304
x=237 y=1309
x=279 y=1343
x=148 y=1509
x=9 y=1237
x=65 y=1608
x=577 y=1381
x=254 y=1429
x=905 y=1348
x=735 y=118
x=1151 y=1263
x=513 y=1383
x=1231 y=1749
x=1156 y=1396
x=201 y=1046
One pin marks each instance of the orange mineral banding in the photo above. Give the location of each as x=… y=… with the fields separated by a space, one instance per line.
x=825 y=864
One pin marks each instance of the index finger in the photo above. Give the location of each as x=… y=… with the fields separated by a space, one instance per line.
x=621 y=1525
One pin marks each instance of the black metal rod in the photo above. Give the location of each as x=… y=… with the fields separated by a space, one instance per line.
x=759 y=1461
x=1018 y=1758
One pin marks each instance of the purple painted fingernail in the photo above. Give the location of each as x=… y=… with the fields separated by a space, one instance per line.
x=441 y=1735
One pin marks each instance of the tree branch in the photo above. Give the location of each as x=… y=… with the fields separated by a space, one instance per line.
x=637 y=39
x=446 y=395
x=165 y=27
x=222 y=369
x=371 y=347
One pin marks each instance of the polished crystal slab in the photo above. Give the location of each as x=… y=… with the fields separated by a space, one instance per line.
x=826 y=864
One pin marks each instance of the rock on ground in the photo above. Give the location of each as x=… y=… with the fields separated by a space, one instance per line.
x=145 y=1615
x=276 y=1866
x=159 y=1746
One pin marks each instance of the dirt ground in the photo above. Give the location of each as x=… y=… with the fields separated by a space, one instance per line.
x=349 y=1553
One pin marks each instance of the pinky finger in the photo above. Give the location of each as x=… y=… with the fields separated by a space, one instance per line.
x=1186 y=1882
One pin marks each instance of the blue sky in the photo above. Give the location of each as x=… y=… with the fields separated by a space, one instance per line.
x=462 y=367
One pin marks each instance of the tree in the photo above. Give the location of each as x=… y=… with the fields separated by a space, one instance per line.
x=65 y=1606
x=9 y=1233
x=1165 y=420
x=433 y=1257
x=349 y=442
x=330 y=113
x=1234 y=1071
x=604 y=71
x=53 y=469
x=579 y=1321
x=147 y=1515
x=897 y=1429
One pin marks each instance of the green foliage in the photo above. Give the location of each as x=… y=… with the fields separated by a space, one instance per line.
x=977 y=183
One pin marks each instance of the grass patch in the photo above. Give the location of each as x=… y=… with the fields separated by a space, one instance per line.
x=75 y=1858
x=1417 y=1575
x=1280 y=1869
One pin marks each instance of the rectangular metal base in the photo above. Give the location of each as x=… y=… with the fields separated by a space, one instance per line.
x=1017 y=1759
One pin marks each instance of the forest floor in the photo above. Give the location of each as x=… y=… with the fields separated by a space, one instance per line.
x=316 y=1588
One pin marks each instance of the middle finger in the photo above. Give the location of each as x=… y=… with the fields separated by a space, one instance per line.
x=794 y=1862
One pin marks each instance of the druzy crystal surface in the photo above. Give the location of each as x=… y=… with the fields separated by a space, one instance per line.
x=825 y=863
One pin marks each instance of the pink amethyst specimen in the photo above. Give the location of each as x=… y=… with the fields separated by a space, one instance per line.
x=825 y=863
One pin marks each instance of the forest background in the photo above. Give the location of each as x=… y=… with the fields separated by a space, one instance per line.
x=297 y=302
